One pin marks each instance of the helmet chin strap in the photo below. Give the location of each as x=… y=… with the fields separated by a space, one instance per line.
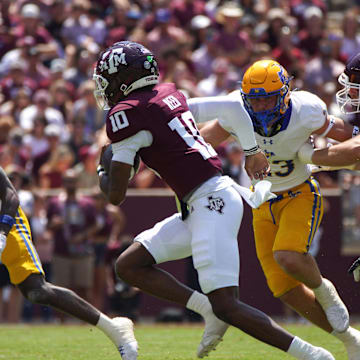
x=145 y=81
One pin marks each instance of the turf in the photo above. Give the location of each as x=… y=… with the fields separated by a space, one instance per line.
x=158 y=342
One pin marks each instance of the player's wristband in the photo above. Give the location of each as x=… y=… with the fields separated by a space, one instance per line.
x=100 y=170
x=355 y=131
x=256 y=149
x=7 y=219
x=330 y=126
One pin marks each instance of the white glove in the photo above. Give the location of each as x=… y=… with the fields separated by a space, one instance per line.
x=2 y=244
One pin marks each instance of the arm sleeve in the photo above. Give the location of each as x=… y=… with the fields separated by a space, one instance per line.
x=231 y=114
x=125 y=150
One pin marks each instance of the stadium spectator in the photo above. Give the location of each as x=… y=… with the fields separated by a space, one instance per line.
x=298 y=9
x=19 y=101
x=59 y=71
x=185 y=10
x=231 y=42
x=288 y=54
x=72 y=224
x=7 y=39
x=233 y=164
x=314 y=31
x=61 y=98
x=20 y=52
x=323 y=67
x=350 y=38
x=269 y=31
x=79 y=137
x=52 y=171
x=110 y=221
x=76 y=27
x=6 y=124
x=200 y=28
x=203 y=57
x=16 y=79
x=10 y=299
x=80 y=63
x=41 y=108
x=85 y=108
x=222 y=80
x=165 y=35
x=97 y=27
x=36 y=69
x=57 y=15
x=13 y=153
x=52 y=133
x=123 y=299
x=30 y=24
x=86 y=167
x=35 y=141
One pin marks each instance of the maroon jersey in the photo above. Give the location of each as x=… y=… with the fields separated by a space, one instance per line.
x=178 y=153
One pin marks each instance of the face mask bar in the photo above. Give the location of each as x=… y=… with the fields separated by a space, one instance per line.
x=348 y=105
x=267 y=119
x=99 y=93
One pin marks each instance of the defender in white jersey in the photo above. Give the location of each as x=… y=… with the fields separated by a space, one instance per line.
x=284 y=227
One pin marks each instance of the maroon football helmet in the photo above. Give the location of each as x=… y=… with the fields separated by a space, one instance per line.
x=348 y=98
x=122 y=68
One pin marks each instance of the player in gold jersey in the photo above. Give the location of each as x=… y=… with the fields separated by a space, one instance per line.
x=18 y=254
x=284 y=227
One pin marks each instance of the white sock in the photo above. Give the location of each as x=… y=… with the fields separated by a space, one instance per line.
x=326 y=294
x=346 y=337
x=199 y=303
x=105 y=324
x=321 y=292
x=300 y=348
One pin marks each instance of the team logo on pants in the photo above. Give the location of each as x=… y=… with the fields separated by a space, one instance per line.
x=216 y=204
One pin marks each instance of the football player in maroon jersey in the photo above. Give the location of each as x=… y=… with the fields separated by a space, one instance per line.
x=153 y=120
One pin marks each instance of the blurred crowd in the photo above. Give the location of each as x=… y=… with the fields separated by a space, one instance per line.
x=51 y=130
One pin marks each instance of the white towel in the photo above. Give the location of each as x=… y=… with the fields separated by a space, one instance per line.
x=257 y=197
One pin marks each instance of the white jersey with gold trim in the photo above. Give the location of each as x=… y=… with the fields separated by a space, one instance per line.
x=308 y=114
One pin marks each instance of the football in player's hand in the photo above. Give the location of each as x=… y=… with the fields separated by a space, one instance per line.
x=105 y=158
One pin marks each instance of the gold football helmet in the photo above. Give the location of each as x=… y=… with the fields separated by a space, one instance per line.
x=266 y=78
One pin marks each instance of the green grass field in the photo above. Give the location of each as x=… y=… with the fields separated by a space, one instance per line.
x=158 y=342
